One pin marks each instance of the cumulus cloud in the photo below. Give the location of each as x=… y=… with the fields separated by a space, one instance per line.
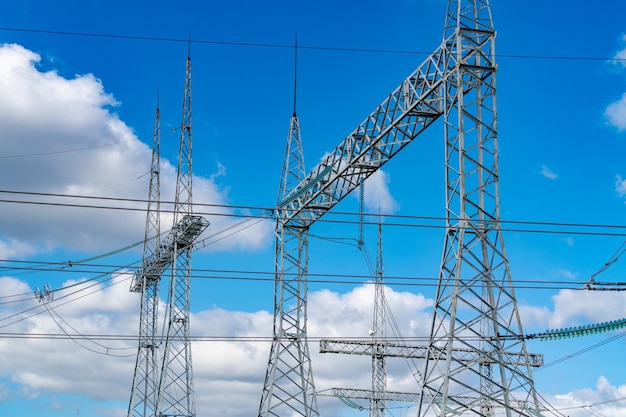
x=62 y=136
x=228 y=375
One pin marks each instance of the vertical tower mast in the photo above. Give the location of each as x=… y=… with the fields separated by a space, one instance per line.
x=378 y=402
x=289 y=389
x=176 y=382
x=475 y=306
x=144 y=391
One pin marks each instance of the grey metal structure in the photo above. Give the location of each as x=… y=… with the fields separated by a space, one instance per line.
x=176 y=379
x=144 y=391
x=289 y=354
x=377 y=348
x=163 y=380
x=475 y=306
x=378 y=403
x=411 y=108
x=475 y=311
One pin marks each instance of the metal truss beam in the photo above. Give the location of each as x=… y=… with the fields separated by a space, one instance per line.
x=400 y=118
x=398 y=350
x=366 y=394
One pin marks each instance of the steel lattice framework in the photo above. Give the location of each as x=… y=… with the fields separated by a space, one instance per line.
x=144 y=391
x=176 y=382
x=289 y=354
x=411 y=108
x=166 y=388
x=476 y=358
x=378 y=403
x=475 y=306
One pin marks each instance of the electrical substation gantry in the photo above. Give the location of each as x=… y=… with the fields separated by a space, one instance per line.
x=476 y=360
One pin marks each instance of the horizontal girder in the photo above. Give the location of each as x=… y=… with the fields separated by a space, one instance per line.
x=397 y=350
x=400 y=118
x=367 y=394
x=180 y=237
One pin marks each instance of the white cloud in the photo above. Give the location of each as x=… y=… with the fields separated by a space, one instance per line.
x=565 y=273
x=616 y=113
x=581 y=307
x=620 y=186
x=548 y=173
x=620 y=56
x=228 y=376
x=61 y=136
x=604 y=400
x=378 y=198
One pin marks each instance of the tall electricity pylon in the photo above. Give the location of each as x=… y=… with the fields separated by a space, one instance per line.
x=166 y=389
x=475 y=307
x=176 y=382
x=144 y=391
x=289 y=355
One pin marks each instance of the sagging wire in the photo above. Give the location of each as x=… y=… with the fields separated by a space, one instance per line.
x=73 y=339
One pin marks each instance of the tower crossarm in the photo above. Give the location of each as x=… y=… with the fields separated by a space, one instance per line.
x=401 y=117
x=183 y=234
x=367 y=394
x=397 y=350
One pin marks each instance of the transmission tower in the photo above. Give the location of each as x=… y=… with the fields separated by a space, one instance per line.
x=475 y=306
x=144 y=391
x=166 y=388
x=176 y=379
x=289 y=387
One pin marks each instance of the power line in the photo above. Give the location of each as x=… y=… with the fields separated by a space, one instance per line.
x=264 y=210
x=256 y=275
x=290 y=46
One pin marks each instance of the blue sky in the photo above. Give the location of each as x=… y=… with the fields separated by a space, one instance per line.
x=78 y=91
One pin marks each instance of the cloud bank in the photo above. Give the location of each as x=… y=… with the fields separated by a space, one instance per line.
x=62 y=136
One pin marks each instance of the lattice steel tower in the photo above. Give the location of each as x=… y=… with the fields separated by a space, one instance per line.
x=144 y=391
x=167 y=390
x=289 y=388
x=176 y=383
x=475 y=306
